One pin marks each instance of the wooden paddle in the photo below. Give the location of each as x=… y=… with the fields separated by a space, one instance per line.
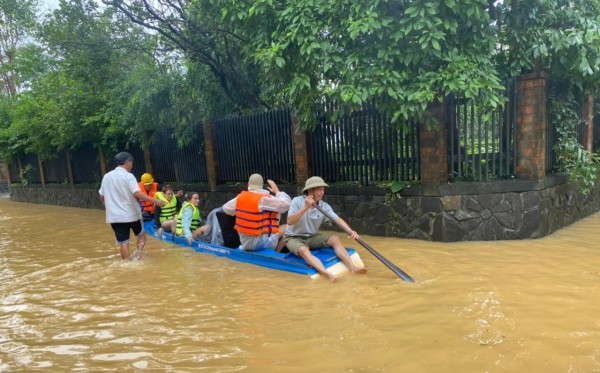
x=403 y=275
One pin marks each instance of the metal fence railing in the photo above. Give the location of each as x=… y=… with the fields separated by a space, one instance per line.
x=364 y=148
x=561 y=93
x=261 y=142
x=172 y=163
x=482 y=148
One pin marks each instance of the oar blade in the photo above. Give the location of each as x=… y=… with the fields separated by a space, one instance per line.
x=403 y=275
x=400 y=273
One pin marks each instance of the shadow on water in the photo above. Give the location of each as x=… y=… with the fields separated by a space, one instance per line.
x=69 y=304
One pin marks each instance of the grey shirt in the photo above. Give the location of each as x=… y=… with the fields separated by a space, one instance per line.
x=312 y=219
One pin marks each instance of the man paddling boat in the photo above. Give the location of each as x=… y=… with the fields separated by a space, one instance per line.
x=304 y=221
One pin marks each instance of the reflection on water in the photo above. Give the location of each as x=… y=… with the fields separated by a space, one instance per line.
x=69 y=304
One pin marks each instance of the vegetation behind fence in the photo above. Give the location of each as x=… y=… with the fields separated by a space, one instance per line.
x=481 y=147
x=364 y=148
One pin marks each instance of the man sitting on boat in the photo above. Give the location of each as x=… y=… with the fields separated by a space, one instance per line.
x=304 y=221
x=256 y=212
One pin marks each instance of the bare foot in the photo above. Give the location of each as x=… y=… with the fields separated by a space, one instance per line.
x=359 y=271
x=331 y=277
x=160 y=232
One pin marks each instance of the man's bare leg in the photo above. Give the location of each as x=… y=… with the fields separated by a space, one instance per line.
x=281 y=242
x=141 y=242
x=342 y=253
x=314 y=262
x=124 y=248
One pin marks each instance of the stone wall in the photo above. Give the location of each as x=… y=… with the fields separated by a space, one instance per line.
x=499 y=210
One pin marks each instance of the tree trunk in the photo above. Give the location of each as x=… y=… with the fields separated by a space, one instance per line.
x=42 y=173
x=69 y=167
x=102 y=160
x=148 y=153
x=588 y=119
x=21 y=173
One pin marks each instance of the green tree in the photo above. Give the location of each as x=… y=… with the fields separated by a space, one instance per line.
x=17 y=20
x=194 y=29
x=560 y=36
x=98 y=50
x=407 y=54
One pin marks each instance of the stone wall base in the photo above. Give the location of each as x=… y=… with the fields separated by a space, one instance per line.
x=498 y=210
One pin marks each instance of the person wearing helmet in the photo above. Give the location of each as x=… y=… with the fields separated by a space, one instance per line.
x=149 y=188
x=304 y=221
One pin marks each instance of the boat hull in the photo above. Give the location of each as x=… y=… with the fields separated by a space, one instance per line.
x=268 y=258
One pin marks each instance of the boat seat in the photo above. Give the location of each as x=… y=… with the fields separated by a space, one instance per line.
x=231 y=238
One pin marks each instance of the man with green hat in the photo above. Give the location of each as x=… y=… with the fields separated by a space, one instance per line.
x=304 y=221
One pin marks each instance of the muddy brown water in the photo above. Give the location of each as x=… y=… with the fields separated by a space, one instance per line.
x=69 y=304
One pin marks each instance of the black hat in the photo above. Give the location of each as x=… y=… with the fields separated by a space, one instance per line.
x=122 y=158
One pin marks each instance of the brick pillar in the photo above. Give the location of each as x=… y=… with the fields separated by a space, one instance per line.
x=4 y=172
x=210 y=154
x=434 y=150
x=531 y=126
x=300 y=153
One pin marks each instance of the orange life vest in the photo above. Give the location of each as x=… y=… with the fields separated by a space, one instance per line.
x=148 y=206
x=250 y=220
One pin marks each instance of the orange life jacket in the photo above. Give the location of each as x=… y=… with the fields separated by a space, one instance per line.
x=250 y=220
x=148 y=206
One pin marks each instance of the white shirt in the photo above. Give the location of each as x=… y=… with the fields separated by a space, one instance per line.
x=118 y=188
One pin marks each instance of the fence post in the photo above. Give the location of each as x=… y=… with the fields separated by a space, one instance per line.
x=532 y=125
x=210 y=154
x=300 y=153
x=434 y=149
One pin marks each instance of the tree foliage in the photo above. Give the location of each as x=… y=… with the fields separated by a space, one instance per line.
x=193 y=28
x=407 y=54
x=120 y=72
x=17 y=19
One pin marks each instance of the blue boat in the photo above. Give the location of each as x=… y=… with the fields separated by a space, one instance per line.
x=263 y=257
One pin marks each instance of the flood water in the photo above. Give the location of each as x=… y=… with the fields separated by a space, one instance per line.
x=68 y=304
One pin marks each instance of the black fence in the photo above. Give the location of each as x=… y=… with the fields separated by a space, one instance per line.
x=86 y=165
x=261 y=143
x=364 y=148
x=561 y=93
x=482 y=148
x=172 y=163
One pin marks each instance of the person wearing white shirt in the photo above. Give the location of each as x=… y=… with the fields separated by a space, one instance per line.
x=120 y=192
